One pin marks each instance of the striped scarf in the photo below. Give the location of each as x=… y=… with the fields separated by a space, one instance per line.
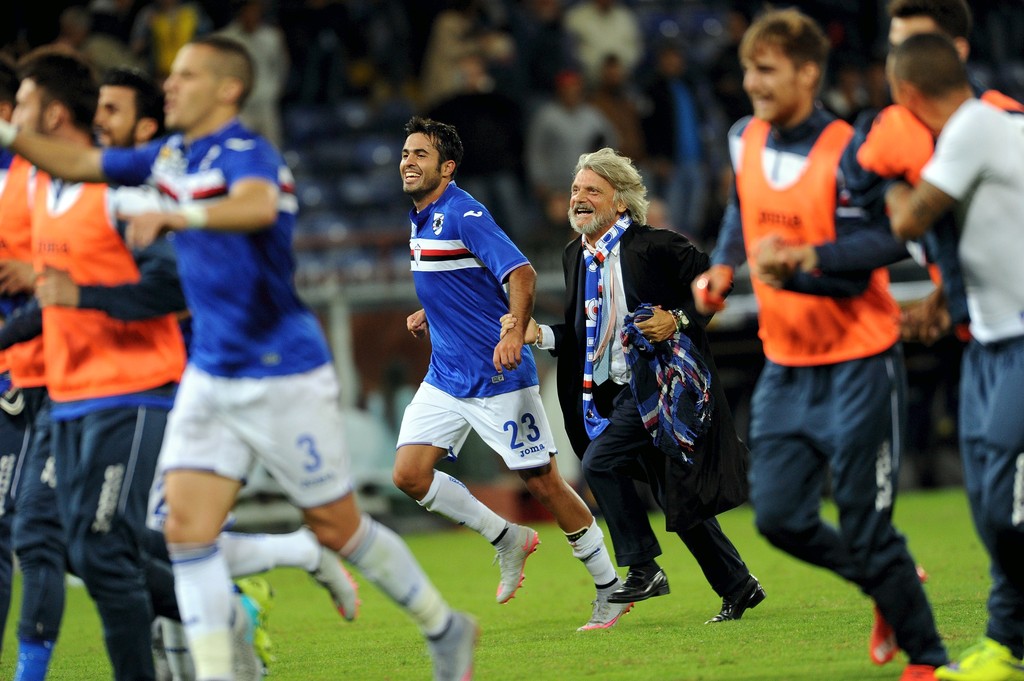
x=593 y=294
x=671 y=385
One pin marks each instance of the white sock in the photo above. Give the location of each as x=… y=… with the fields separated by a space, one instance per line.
x=203 y=587
x=179 y=661
x=448 y=497
x=588 y=545
x=250 y=554
x=385 y=560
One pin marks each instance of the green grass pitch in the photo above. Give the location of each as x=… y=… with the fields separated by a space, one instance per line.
x=813 y=626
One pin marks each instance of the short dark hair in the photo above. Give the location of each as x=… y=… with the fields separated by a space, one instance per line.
x=953 y=17
x=236 y=62
x=8 y=78
x=443 y=136
x=929 y=62
x=149 y=98
x=64 y=77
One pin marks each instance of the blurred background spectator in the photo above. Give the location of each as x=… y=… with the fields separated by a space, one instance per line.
x=162 y=27
x=77 y=31
x=491 y=126
x=543 y=45
x=725 y=70
x=530 y=84
x=465 y=27
x=680 y=125
x=847 y=94
x=615 y=97
x=602 y=27
x=562 y=128
x=265 y=42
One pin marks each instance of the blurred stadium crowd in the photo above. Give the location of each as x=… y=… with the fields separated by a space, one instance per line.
x=530 y=84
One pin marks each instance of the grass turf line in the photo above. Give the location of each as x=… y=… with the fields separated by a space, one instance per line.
x=812 y=626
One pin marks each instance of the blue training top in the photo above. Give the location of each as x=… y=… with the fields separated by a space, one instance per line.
x=247 y=318
x=460 y=261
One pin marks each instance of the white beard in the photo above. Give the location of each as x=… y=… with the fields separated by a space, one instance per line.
x=599 y=221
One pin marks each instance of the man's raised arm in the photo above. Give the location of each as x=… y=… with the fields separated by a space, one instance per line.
x=78 y=164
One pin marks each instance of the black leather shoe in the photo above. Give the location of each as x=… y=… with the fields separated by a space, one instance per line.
x=752 y=594
x=640 y=585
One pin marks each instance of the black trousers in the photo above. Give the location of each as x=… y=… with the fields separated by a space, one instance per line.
x=623 y=453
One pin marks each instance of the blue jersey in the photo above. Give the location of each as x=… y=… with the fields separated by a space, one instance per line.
x=460 y=261
x=247 y=318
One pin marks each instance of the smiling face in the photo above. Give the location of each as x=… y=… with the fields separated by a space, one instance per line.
x=422 y=170
x=781 y=92
x=116 y=116
x=593 y=208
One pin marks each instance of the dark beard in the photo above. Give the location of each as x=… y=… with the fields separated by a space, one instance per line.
x=424 y=190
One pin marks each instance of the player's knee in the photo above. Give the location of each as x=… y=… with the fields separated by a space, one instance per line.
x=334 y=524
x=411 y=481
x=542 y=482
x=333 y=537
x=93 y=558
x=185 y=529
x=776 y=524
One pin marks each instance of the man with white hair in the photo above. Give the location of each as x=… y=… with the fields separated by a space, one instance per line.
x=618 y=264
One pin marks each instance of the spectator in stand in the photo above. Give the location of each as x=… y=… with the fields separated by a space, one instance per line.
x=162 y=28
x=726 y=72
x=313 y=30
x=114 y=18
x=847 y=96
x=461 y=29
x=101 y=51
x=387 y=30
x=560 y=130
x=675 y=120
x=266 y=45
x=602 y=27
x=491 y=125
x=875 y=85
x=543 y=44
x=614 y=99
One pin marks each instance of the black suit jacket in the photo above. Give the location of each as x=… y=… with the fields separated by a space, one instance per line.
x=657 y=268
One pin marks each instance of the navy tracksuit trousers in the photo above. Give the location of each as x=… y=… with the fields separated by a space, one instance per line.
x=841 y=423
x=992 y=452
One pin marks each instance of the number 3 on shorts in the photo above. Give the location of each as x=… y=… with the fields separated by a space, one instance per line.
x=308 y=447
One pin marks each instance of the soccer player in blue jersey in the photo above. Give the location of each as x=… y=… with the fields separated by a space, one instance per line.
x=461 y=262
x=259 y=385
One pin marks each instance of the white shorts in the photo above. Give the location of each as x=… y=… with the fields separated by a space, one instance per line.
x=513 y=424
x=290 y=424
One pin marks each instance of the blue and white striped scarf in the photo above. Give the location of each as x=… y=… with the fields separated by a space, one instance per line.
x=671 y=385
x=592 y=292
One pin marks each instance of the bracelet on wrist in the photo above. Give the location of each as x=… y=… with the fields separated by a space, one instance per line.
x=195 y=216
x=8 y=132
x=540 y=337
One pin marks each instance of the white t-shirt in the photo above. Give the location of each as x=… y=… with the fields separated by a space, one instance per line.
x=979 y=161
